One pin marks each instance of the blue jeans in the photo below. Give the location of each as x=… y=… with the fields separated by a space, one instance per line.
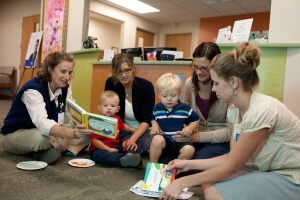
x=104 y=157
x=203 y=151
x=210 y=150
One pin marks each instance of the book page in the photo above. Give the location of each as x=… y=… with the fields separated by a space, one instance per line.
x=101 y=125
x=74 y=111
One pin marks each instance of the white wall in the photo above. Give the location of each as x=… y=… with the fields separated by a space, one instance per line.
x=132 y=22
x=284 y=21
x=78 y=21
x=285 y=28
x=129 y=25
x=291 y=95
x=107 y=34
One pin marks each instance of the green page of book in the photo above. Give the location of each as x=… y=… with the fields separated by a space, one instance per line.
x=101 y=125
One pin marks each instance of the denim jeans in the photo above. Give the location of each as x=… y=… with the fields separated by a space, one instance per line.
x=203 y=151
x=104 y=157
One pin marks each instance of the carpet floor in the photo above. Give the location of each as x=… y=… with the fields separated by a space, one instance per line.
x=62 y=181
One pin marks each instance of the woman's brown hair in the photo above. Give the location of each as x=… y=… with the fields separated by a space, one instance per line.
x=51 y=61
x=206 y=50
x=117 y=61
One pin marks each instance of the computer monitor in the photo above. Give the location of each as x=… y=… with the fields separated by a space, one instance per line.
x=158 y=51
x=134 y=52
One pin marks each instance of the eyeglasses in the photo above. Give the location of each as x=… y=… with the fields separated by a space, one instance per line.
x=125 y=71
x=195 y=67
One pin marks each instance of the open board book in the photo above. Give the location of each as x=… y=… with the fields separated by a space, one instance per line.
x=157 y=177
x=99 y=124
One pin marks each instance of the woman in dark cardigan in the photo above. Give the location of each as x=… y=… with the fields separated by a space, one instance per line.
x=136 y=100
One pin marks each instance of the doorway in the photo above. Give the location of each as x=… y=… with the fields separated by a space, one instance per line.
x=182 y=42
x=29 y=24
x=143 y=38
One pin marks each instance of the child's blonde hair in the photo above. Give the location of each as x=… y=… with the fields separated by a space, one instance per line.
x=109 y=94
x=168 y=81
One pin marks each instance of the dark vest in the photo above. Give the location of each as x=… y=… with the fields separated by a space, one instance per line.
x=18 y=116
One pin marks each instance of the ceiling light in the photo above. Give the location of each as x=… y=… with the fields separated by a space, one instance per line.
x=135 y=5
x=215 y=1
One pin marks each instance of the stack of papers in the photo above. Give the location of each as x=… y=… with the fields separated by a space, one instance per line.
x=137 y=189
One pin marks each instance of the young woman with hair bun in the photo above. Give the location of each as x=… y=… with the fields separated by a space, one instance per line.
x=264 y=157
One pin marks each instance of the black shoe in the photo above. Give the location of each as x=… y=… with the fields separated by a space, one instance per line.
x=132 y=160
x=49 y=155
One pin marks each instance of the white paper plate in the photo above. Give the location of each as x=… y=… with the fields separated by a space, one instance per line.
x=32 y=165
x=81 y=162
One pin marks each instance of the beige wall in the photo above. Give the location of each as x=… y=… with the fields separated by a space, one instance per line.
x=284 y=21
x=129 y=25
x=285 y=28
x=107 y=34
x=78 y=19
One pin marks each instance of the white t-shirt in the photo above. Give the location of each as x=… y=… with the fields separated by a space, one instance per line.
x=280 y=152
x=35 y=105
x=129 y=118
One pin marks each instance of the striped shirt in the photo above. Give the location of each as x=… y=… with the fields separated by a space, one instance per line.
x=174 y=120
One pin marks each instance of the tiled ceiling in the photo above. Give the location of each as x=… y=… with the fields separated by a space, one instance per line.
x=172 y=11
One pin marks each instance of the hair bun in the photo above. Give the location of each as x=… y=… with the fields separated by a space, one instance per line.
x=247 y=55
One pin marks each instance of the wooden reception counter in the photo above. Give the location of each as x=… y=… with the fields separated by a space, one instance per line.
x=150 y=70
x=277 y=67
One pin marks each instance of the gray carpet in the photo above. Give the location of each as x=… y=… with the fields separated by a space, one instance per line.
x=62 y=181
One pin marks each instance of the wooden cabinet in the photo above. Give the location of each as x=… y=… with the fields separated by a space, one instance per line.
x=145 y=69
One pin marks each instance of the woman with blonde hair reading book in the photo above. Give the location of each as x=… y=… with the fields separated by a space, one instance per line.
x=35 y=121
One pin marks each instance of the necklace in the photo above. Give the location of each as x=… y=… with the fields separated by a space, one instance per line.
x=126 y=96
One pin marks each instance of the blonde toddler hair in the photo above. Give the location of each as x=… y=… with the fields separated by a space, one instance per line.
x=109 y=94
x=168 y=81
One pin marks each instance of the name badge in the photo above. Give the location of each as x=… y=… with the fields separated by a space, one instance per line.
x=237 y=132
x=61 y=117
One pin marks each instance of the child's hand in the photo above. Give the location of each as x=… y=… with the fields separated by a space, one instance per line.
x=186 y=131
x=155 y=129
x=156 y=132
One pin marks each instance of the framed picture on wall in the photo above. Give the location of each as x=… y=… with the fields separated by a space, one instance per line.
x=55 y=18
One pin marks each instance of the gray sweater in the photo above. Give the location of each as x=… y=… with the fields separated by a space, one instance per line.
x=216 y=129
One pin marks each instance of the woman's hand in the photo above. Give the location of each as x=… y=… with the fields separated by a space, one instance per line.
x=129 y=144
x=80 y=131
x=194 y=137
x=172 y=191
x=180 y=165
